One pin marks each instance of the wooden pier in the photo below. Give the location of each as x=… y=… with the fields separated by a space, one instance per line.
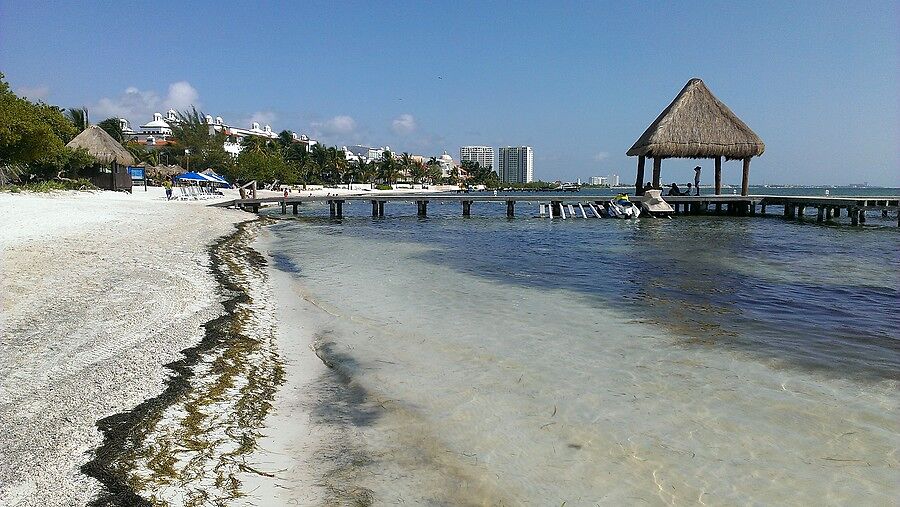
x=825 y=208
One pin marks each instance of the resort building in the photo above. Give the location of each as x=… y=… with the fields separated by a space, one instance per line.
x=516 y=164
x=158 y=132
x=598 y=180
x=446 y=163
x=365 y=153
x=484 y=155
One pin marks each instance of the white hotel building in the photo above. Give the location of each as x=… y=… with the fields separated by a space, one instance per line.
x=158 y=132
x=484 y=155
x=516 y=164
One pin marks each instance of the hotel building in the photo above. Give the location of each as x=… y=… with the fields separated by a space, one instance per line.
x=484 y=155
x=516 y=164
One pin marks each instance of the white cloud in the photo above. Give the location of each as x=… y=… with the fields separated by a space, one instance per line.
x=139 y=105
x=339 y=125
x=403 y=124
x=181 y=96
x=261 y=117
x=34 y=93
x=600 y=157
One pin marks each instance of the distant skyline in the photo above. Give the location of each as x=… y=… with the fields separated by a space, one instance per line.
x=580 y=83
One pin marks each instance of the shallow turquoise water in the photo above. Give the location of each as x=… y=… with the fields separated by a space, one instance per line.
x=711 y=359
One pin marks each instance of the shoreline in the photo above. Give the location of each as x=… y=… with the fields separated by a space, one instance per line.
x=99 y=291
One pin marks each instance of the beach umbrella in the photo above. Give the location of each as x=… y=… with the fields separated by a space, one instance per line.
x=192 y=176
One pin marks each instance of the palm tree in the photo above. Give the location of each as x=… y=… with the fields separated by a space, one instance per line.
x=113 y=127
x=388 y=168
x=79 y=118
x=418 y=171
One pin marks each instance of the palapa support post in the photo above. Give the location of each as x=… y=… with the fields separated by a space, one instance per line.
x=639 y=181
x=657 y=168
x=510 y=209
x=467 y=208
x=718 y=175
x=745 y=181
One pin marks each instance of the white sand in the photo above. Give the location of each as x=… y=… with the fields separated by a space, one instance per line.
x=97 y=292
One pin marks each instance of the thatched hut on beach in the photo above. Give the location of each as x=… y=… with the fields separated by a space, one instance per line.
x=697 y=125
x=110 y=154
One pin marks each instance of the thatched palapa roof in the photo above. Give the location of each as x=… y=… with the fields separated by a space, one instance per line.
x=102 y=146
x=698 y=125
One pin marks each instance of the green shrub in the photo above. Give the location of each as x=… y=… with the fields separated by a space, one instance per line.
x=50 y=186
x=383 y=187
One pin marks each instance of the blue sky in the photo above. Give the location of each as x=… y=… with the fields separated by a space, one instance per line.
x=577 y=81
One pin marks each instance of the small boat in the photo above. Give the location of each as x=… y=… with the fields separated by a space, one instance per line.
x=655 y=206
x=621 y=207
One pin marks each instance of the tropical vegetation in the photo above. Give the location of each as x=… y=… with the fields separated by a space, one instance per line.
x=33 y=137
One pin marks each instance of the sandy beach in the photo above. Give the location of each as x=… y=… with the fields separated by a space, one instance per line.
x=98 y=291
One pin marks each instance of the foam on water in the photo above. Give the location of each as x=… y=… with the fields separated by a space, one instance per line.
x=498 y=387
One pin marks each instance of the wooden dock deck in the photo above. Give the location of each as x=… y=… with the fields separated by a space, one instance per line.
x=826 y=207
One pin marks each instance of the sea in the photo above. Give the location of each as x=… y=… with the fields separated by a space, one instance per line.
x=704 y=359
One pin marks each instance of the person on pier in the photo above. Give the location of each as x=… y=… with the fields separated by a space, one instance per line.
x=674 y=190
x=696 y=180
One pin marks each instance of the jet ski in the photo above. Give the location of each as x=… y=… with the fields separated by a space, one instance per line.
x=622 y=207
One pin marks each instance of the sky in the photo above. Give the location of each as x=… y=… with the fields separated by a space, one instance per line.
x=579 y=82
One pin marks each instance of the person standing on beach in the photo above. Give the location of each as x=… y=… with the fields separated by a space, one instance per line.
x=168 y=186
x=697 y=179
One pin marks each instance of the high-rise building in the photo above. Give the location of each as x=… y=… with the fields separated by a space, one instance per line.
x=484 y=155
x=516 y=164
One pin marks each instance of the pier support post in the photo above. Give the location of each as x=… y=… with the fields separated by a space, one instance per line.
x=718 y=175
x=510 y=209
x=295 y=208
x=719 y=207
x=374 y=208
x=862 y=216
x=729 y=209
x=467 y=208
x=340 y=208
x=884 y=213
x=745 y=181
x=256 y=208
x=331 y=209
x=639 y=181
x=283 y=207
x=854 y=216
x=422 y=208
x=556 y=206
x=829 y=212
x=381 y=208
x=657 y=168
x=762 y=208
x=800 y=209
x=820 y=216
x=752 y=208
